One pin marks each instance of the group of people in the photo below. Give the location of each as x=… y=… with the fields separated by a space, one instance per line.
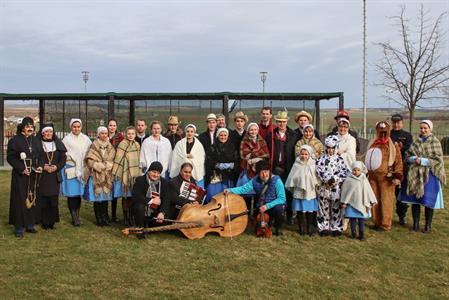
x=288 y=173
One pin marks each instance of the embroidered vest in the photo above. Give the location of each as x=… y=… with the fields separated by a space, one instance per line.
x=270 y=194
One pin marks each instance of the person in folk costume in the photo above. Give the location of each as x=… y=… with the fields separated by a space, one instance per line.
x=357 y=198
x=266 y=125
x=21 y=155
x=72 y=186
x=304 y=119
x=114 y=138
x=237 y=135
x=270 y=192
x=309 y=138
x=156 y=148
x=302 y=183
x=98 y=165
x=331 y=170
x=385 y=170
x=208 y=138
x=172 y=133
x=176 y=199
x=141 y=134
x=125 y=170
x=347 y=144
x=150 y=191
x=425 y=176
x=342 y=114
x=189 y=149
x=281 y=145
x=252 y=150
x=221 y=160
x=52 y=158
x=404 y=140
x=221 y=122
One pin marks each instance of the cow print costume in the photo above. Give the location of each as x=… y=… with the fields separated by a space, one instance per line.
x=332 y=171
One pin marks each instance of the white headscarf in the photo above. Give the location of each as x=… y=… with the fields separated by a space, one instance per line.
x=77 y=147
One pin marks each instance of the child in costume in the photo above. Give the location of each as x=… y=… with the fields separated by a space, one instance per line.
x=357 y=198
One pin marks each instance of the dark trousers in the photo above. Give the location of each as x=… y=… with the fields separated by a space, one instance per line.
x=49 y=210
x=276 y=214
x=401 y=208
x=138 y=212
x=361 y=223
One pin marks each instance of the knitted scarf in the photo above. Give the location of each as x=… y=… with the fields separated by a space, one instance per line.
x=419 y=175
x=126 y=164
x=102 y=153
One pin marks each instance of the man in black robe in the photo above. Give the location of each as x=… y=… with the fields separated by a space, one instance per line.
x=21 y=155
x=149 y=193
x=176 y=199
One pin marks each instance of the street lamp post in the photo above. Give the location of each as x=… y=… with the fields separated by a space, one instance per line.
x=85 y=79
x=263 y=78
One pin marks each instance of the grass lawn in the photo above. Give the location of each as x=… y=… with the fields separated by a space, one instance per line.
x=90 y=262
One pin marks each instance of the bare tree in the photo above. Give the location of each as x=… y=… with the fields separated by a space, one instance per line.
x=412 y=71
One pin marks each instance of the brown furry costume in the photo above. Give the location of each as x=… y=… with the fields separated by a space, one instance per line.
x=384 y=162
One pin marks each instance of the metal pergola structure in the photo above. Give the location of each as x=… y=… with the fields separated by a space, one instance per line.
x=223 y=98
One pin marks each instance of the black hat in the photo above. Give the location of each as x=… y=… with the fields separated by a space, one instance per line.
x=261 y=166
x=155 y=166
x=396 y=118
x=25 y=121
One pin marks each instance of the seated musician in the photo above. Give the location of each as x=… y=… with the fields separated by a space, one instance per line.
x=149 y=193
x=182 y=190
x=269 y=191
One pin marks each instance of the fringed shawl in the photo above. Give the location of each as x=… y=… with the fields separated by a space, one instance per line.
x=249 y=150
x=126 y=164
x=101 y=154
x=77 y=147
x=180 y=156
x=418 y=175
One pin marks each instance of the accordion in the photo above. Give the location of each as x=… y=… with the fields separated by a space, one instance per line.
x=192 y=192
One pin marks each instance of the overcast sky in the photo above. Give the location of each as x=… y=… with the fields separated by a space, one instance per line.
x=196 y=46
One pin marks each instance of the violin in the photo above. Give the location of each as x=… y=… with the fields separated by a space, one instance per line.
x=262 y=226
x=226 y=215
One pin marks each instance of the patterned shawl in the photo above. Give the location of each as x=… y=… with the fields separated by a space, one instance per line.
x=126 y=164
x=418 y=175
x=100 y=154
x=250 y=149
x=313 y=142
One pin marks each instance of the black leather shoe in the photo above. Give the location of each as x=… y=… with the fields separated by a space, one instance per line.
x=18 y=235
x=30 y=230
x=141 y=236
x=401 y=221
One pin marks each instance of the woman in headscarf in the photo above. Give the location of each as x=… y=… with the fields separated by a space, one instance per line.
x=98 y=165
x=126 y=169
x=189 y=149
x=347 y=145
x=72 y=186
x=252 y=150
x=221 y=160
x=310 y=139
x=52 y=158
x=425 y=176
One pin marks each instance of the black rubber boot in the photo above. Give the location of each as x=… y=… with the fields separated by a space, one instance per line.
x=416 y=210
x=310 y=220
x=78 y=221
x=353 y=223
x=97 y=211
x=428 y=212
x=301 y=222
x=114 y=211
x=75 y=221
x=104 y=213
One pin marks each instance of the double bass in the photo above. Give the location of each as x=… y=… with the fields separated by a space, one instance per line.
x=226 y=215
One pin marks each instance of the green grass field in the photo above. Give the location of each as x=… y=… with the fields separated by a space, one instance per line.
x=91 y=262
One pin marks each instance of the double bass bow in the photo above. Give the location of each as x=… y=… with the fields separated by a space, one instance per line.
x=226 y=215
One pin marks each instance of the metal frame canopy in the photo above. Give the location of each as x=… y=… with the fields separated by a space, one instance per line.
x=224 y=97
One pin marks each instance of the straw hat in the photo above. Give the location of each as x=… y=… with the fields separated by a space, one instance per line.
x=211 y=117
x=241 y=115
x=173 y=120
x=281 y=116
x=303 y=113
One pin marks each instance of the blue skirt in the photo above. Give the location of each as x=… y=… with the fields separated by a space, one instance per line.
x=433 y=194
x=351 y=212
x=90 y=195
x=118 y=190
x=304 y=205
x=217 y=188
x=200 y=183
x=71 y=187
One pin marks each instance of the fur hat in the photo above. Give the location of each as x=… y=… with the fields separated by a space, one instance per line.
x=262 y=165
x=155 y=166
